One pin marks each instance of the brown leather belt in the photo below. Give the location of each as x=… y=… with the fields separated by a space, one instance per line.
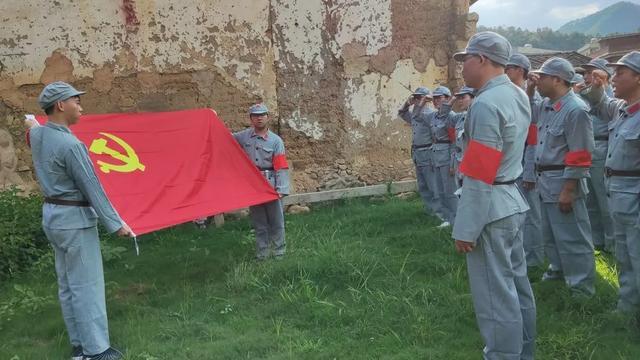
x=543 y=168
x=66 y=202
x=443 y=142
x=265 y=169
x=608 y=172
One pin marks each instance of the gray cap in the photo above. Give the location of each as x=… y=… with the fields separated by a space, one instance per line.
x=465 y=90
x=631 y=60
x=521 y=61
x=442 y=91
x=489 y=44
x=258 y=109
x=577 y=79
x=599 y=63
x=559 y=67
x=56 y=91
x=422 y=91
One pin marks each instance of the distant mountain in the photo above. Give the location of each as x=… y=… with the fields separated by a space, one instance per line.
x=622 y=17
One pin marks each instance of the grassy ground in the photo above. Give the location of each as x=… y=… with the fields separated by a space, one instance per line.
x=361 y=280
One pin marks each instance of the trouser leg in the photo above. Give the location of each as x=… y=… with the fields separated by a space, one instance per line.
x=64 y=290
x=548 y=239
x=502 y=297
x=445 y=188
x=572 y=234
x=594 y=215
x=422 y=162
x=437 y=203
x=260 y=221
x=452 y=199
x=533 y=245
x=82 y=264
x=423 y=187
x=628 y=256
x=275 y=216
x=432 y=180
x=599 y=215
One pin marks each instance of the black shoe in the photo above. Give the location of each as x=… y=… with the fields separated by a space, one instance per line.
x=76 y=353
x=109 y=354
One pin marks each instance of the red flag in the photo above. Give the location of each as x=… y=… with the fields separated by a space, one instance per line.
x=163 y=169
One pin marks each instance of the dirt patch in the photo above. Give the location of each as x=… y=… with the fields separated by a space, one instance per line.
x=57 y=68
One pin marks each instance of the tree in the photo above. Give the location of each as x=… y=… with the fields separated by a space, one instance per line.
x=544 y=38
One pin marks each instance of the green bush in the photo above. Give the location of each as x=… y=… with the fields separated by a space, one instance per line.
x=22 y=241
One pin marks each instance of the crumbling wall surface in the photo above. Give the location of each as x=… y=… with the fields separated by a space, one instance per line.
x=334 y=72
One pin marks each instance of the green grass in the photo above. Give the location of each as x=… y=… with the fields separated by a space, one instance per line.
x=361 y=280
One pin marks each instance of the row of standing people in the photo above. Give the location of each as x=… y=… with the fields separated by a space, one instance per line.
x=579 y=173
x=74 y=201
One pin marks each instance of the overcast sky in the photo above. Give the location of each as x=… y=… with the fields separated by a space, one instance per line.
x=536 y=14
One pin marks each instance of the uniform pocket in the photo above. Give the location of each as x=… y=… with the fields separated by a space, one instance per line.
x=631 y=146
x=422 y=156
x=556 y=137
x=624 y=203
x=266 y=153
x=631 y=134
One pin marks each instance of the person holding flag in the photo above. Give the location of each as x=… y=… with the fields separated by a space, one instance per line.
x=73 y=202
x=266 y=150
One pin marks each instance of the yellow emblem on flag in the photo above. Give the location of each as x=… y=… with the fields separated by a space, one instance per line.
x=130 y=160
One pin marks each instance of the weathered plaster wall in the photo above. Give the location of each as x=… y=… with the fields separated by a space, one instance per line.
x=333 y=72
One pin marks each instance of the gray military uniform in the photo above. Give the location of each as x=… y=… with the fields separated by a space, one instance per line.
x=441 y=128
x=268 y=218
x=622 y=171
x=456 y=121
x=597 y=205
x=533 y=244
x=65 y=172
x=565 y=128
x=492 y=216
x=421 y=143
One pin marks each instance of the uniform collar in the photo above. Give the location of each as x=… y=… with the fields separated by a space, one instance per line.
x=630 y=110
x=559 y=104
x=498 y=80
x=58 y=127
x=253 y=134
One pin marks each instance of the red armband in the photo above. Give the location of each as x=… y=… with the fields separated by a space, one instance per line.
x=279 y=162
x=481 y=162
x=532 y=135
x=452 y=134
x=580 y=158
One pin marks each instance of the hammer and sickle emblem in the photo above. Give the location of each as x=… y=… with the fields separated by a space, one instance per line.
x=130 y=160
